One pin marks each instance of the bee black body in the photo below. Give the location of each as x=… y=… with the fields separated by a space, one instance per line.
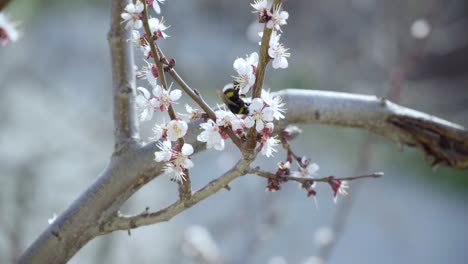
x=233 y=100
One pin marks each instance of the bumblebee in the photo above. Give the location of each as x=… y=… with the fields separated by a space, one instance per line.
x=233 y=100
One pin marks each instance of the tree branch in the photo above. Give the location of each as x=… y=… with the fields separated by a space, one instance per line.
x=123 y=80
x=445 y=141
x=95 y=211
x=121 y=222
x=269 y=175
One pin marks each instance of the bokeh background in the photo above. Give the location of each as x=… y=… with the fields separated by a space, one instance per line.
x=56 y=133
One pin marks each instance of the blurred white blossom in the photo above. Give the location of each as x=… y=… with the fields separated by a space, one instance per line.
x=420 y=29
x=8 y=31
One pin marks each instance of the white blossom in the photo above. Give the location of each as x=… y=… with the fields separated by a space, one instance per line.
x=176 y=129
x=324 y=236
x=420 y=29
x=252 y=59
x=145 y=104
x=211 y=135
x=180 y=162
x=268 y=147
x=177 y=174
x=226 y=118
x=181 y=158
x=342 y=189
x=274 y=38
x=193 y=113
x=137 y=40
x=164 y=98
x=278 y=18
x=8 y=31
x=260 y=6
x=177 y=161
x=155 y=5
x=148 y=72
x=279 y=54
x=158 y=131
x=259 y=115
x=199 y=243
x=146 y=49
x=157 y=27
x=165 y=152
x=275 y=103
x=309 y=170
x=245 y=70
x=132 y=15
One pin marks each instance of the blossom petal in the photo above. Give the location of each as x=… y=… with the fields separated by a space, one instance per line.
x=144 y=92
x=187 y=149
x=175 y=95
x=156 y=7
x=249 y=122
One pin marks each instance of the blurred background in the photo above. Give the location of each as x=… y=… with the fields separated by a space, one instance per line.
x=56 y=134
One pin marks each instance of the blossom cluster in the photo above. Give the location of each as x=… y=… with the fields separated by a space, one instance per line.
x=261 y=111
x=261 y=114
x=175 y=156
x=274 y=18
x=306 y=170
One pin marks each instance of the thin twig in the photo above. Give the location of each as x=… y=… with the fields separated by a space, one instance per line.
x=269 y=175
x=121 y=222
x=185 y=189
x=264 y=58
x=199 y=100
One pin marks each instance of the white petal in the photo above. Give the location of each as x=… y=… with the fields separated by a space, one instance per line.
x=187 y=149
x=267 y=114
x=138 y=24
x=150 y=114
x=249 y=122
x=259 y=126
x=256 y=105
x=144 y=92
x=125 y=16
x=175 y=95
x=139 y=7
x=283 y=63
x=238 y=63
x=156 y=7
x=220 y=145
x=276 y=63
x=245 y=89
x=313 y=168
x=188 y=164
x=130 y=8
x=253 y=59
x=158 y=91
x=160 y=156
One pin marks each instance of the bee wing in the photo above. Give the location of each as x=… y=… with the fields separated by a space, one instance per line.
x=226 y=100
